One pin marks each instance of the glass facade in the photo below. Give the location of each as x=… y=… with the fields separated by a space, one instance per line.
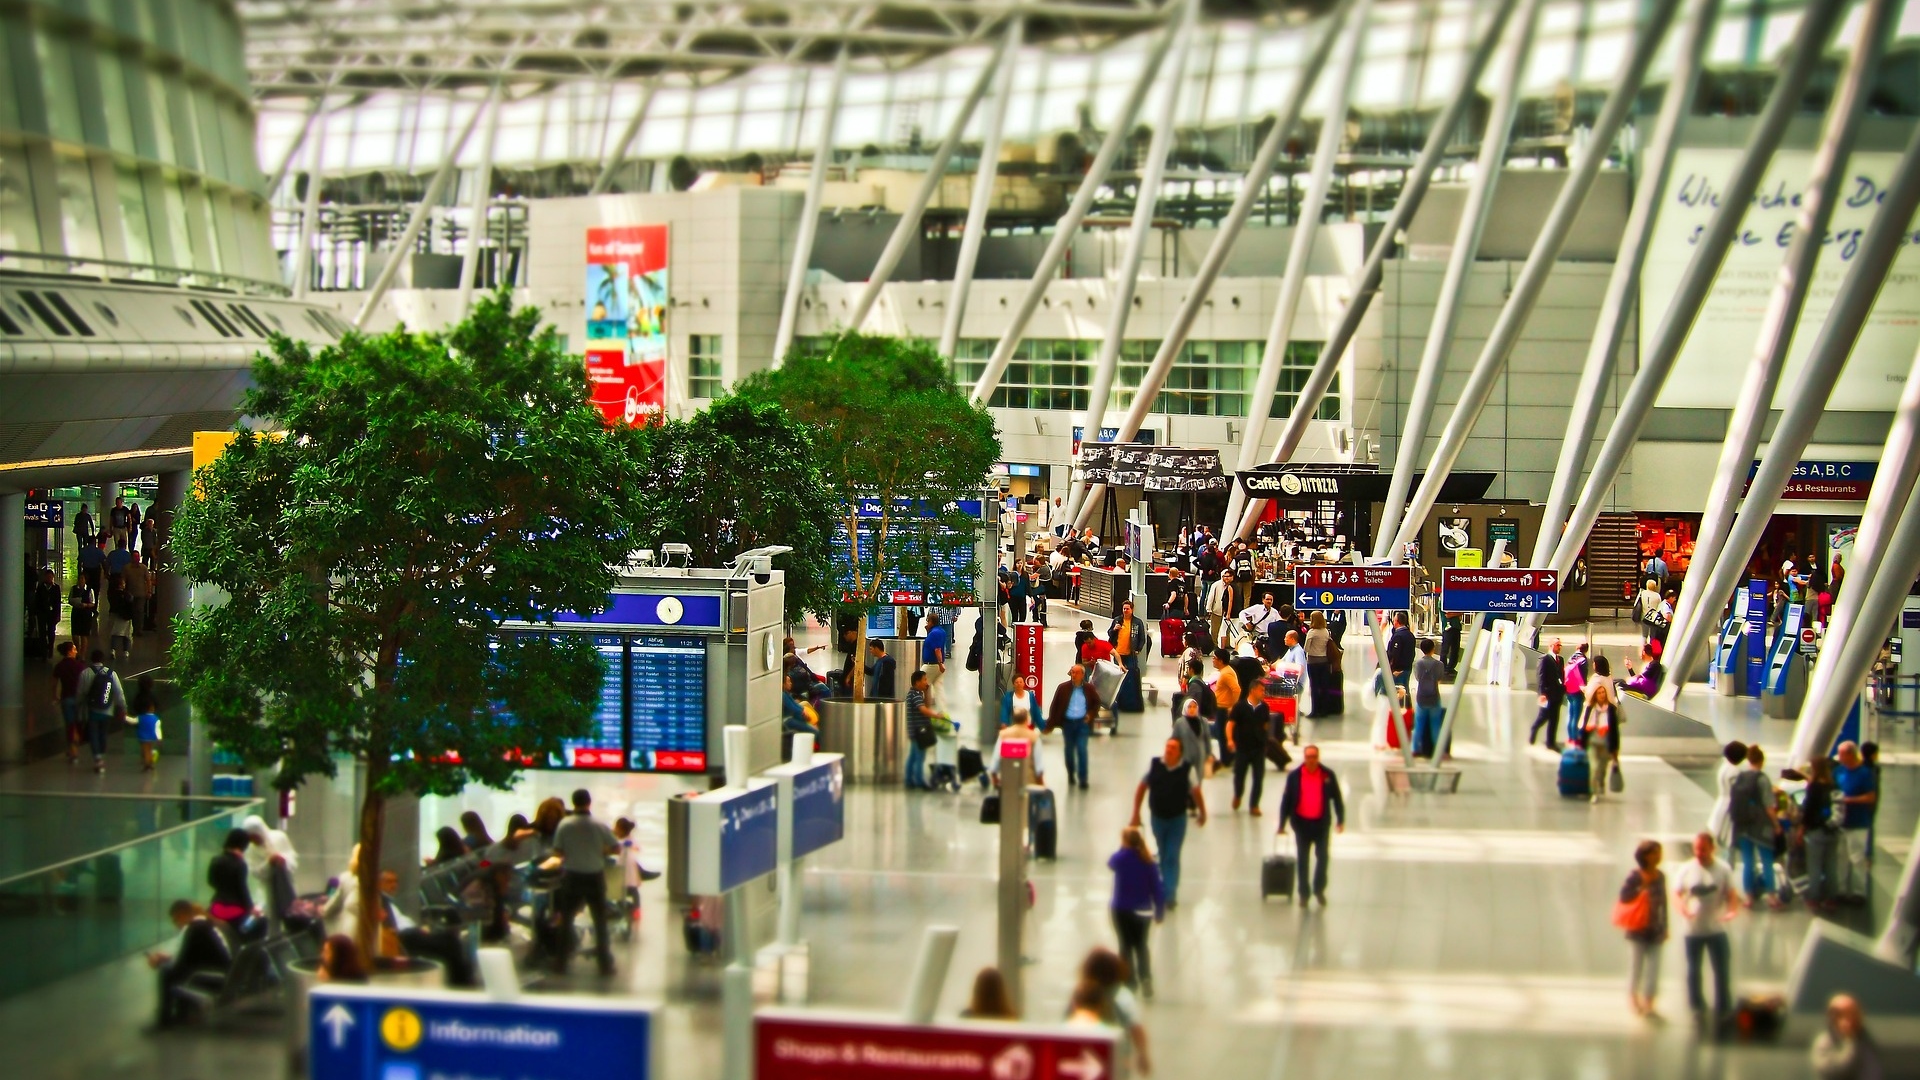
x=127 y=138
x=1208 y=378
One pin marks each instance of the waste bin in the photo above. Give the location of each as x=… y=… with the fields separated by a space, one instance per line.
x=871 y=734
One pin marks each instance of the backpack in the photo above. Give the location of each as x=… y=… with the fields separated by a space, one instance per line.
x=1747 y=801
x=100 y=694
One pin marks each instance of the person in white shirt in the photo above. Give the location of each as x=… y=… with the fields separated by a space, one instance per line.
x=1708 y=901
x=1258 y=617
x=1219 y=607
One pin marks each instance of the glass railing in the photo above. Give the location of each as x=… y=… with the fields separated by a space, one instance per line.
x=88 y=908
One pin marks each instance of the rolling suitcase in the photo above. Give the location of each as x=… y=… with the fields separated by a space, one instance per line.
x=1043 y=823
x=1575 y=776
x=1173 y=636
x=971 y=764
x=1276 y=876
x=990 y=810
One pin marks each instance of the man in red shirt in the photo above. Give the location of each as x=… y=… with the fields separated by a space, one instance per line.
x=1312 y=802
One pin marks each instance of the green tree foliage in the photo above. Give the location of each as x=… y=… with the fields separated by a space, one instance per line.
x=888 y=424
x=740 y=475
x=427 y=487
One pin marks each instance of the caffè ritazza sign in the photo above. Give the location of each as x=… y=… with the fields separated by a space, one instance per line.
x=1291 y=485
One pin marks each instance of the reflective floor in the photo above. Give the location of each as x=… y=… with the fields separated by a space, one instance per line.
x=1466 y=934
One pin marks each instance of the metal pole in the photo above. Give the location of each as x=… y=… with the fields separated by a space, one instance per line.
x=411 y=235
x=1466 y=248
x=982 y=201
x=1394 y=714
x=1807 y=400
x=810 y=210
x=1873 y=606
x=930 y=973
x=1076 y=211
x=736 y=983
x=1120 y=304
x=1293 y=279
x=909 y=223
x=1784 y=308
x=482 y=198
x=1252 y=190
x=1458 y=693
x=1533 y=278
x=309 y=208
x=617 y=156
x=1013 y=877
x=1617 y=307
x=1366 y=283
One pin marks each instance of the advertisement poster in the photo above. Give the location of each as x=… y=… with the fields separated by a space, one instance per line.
x=1454 y=534
x=627 y=321
x=1712 y=365
x=1508 y=531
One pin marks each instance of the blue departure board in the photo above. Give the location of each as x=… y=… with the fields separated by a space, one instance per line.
x=605 y=747
x=667 y=701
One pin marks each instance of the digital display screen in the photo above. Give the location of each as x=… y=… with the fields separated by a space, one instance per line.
x=667 y=698
x=606 y=747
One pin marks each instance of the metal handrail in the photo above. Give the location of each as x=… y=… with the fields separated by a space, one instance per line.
x=123 y=845
x=178 y=275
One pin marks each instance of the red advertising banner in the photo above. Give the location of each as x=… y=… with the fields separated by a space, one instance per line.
x=627 y=302
x=1029 y=649
x=790 y=1045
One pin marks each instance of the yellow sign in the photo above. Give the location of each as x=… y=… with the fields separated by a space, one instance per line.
x=400 y=1029
x=207 y=446
x=1469 y=558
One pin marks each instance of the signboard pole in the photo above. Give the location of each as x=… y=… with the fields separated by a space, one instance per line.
x=1394 y=715
x=1458 y=693
x=788 y=873
x=1013 y=875
x=986 y=564
x=930 y=973
x=736 y=987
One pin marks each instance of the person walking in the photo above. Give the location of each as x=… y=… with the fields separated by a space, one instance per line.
x=583 y=846
x=84 y=608
x=1551 y=678
x=1170 y=786
x=1075 y=703
x=1128 y=636
x=66 y=691
x=1858 y=785
x=1190 y=723
x=1319 y=646
x=1708 y=901
x=1753 y=816
x=1138 y=895
x=1642 y=913
x=43 y=604
x=1428 y=712
x=920 y=734
x=1575 y=685
x=140 y=589
x=104 y=700
x=1820 y=834
x=934 y=651
x=1247 y=739
x=1646 y=608
x=1400 y=649
x=1226 y=694
x=1720 y=819
x=1311 y=803
x=1600 y=731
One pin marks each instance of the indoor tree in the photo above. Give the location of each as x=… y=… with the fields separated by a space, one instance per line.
x=890 y=430
x=417 y=490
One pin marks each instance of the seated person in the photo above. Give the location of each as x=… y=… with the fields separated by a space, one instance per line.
x=341 y=961
x=227 y=876
x=444 y=946
x=201 y=947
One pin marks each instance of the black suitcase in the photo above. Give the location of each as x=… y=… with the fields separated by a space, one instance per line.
x=970 y=763
x=1276 y=876
x=990 y=810
x=1043 y=823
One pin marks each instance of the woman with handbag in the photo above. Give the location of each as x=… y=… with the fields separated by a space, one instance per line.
x=1642 y=912
x=1597 y=723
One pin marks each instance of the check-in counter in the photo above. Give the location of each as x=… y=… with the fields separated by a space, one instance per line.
x=1103 y=591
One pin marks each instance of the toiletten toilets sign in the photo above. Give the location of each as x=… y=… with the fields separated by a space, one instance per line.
x=626 y=304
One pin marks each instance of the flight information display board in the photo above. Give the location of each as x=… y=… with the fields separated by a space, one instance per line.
x=606 y=747
x=667 y=699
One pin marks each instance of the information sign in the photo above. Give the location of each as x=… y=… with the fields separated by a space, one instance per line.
x=733 y=837
x=1510 y=589
x=367 y=1033
x=1353 y=587
x=791 y=1045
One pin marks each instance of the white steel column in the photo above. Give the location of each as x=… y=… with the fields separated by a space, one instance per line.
x=1366 y=283
x=410 y=236
x=1306 y=227
x=1466 y=248
x=1076 y=212
x=1822 y=16
x=1782 y=318
x=810 y=211
x=1807 y=399
x=617 y=154
x=482 y=198
x=909 y=223
x=1120 y=304
x=983 y=179
x=1252 y=190
x=1533 y=278
x=1617 y=307
x=309 y=205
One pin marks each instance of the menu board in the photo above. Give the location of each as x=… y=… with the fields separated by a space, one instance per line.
x=667 y=700
x=605 y=747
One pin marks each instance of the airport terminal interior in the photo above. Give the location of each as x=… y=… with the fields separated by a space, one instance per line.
x=1056 y=538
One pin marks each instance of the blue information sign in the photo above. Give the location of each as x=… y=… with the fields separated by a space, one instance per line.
x=819 y=808
x=1756 y=636
x=1516 y=588
x=1353 y=588
x=363 y=1033
x=749 y=836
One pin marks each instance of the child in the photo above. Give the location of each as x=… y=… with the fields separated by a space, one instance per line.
x=629 y=862
x=146 y=710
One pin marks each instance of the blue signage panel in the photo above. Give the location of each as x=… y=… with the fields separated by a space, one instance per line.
x=1756 y=636
x=749 y=836
x=362 y=1033
x=701 y=610
x=1499 y=589
x=51 y=513
x=1364 y=588
x=883 y=621
x=1785 y=643
x=819 y=808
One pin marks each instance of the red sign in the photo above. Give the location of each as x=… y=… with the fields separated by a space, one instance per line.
x=597 y=757
x=627 y=302
x=1028 y=649
x=1354 y=577
x=790 y=1045
x=625 y=391
x=1015 y=748
x=680 y=760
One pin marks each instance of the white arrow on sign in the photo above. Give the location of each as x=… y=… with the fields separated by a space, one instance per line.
x=338 y=1020
x=1085 y=1067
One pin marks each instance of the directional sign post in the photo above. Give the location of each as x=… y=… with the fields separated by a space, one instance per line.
x=814 y=1045
x=1362 y=588
x=367 y=1033
x=1515 y=588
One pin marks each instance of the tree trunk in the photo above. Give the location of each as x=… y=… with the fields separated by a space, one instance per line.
x=373 y=808
x=859 y=671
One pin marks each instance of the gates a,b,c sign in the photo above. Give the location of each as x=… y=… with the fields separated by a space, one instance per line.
x=365 y=1033
x=1517 y=589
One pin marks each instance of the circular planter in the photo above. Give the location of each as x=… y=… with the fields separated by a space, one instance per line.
x=872 y=734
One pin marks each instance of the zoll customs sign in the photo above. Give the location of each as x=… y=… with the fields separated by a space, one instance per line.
x=627 y=302
x=795 y=1045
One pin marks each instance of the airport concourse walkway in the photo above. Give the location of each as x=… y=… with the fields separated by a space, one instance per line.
x=1466 y=935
